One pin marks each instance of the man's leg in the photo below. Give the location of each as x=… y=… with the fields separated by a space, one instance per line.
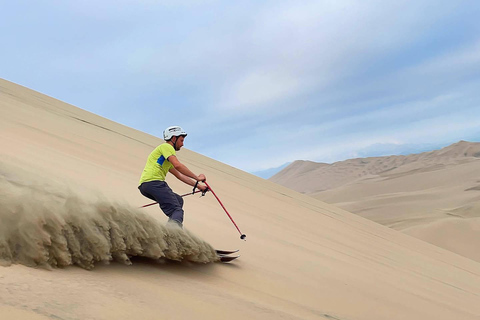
x=170 y=202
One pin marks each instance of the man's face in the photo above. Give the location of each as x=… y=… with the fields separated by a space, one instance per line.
x=180 y=142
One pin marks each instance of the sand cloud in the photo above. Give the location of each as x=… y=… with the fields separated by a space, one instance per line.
x=48 y=225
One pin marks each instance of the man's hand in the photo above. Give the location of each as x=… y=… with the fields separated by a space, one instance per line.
x=202 y=187
x=201 y=177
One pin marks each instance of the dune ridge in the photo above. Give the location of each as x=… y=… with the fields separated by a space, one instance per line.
x=310 y=177
x=49 y=225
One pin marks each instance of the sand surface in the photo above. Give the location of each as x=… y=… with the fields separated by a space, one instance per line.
x=75 y=245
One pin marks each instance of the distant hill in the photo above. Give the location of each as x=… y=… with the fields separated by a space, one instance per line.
x=310 y=177
x=434 y=196
x=266 y=174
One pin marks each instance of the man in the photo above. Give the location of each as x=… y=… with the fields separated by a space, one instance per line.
x=162 y=160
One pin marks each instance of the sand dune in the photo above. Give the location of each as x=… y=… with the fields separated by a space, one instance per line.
x=310 y=177
x=417 y=194
x=303 y=258
x=458 y=235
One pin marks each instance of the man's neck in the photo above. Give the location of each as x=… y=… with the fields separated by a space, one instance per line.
x=172 y=144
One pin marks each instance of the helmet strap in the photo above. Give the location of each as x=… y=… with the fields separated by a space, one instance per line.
x=175 y=143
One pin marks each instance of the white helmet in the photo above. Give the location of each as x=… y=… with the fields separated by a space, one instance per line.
x=174 y=131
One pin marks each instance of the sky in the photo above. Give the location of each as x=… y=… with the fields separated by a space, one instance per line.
x=257 y=84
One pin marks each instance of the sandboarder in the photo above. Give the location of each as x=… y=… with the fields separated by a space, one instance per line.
x=162 y=160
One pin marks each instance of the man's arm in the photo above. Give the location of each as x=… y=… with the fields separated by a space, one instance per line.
x=184 y=174
x=184 y=170
x=180 y=176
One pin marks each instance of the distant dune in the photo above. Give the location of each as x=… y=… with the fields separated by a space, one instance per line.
x=434 y=196
x=74 y=243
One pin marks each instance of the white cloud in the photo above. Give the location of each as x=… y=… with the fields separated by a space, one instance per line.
x=259 y=90
x=449 y=66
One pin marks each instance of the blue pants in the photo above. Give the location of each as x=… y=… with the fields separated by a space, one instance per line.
x=170 y=202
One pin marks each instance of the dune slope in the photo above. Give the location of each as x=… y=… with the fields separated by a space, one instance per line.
x=303 y=258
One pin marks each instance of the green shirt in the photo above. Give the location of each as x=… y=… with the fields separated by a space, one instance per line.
x=158 y=165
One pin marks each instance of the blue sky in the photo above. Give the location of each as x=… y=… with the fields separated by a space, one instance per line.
x=257 y=84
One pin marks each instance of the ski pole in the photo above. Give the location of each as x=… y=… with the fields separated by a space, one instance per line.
x=242 y=236
x=183 y=195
